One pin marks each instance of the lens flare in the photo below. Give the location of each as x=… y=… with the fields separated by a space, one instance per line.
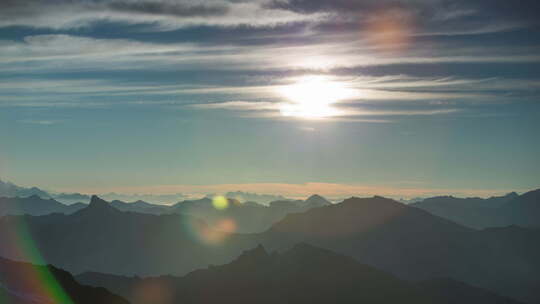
x=213 y=235
x=391 y=29
x=226 y=225
x=37 y=281
x=220 y=202
x=154 y=290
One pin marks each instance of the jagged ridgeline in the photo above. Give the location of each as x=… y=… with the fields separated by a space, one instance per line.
x=406 y=242
x=25 y=283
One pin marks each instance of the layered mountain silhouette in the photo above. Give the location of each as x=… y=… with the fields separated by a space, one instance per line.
x=413 y=244
x=157 y=199
x=523 y=210
x=140 y=206
x=102 y=238
x=71 y=198
x=8 y=189
x=444 y=290
x=511 y=209
x=24 y=283
x=303 y=274
x=11 y=190
x=35 y=205
x=249 y=217
x=405 y=241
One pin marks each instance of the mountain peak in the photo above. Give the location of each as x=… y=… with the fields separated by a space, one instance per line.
x=512 y=194
x=352 y=216
x=96 y=201
x=204 y=200
x=98 y=205
x=317 y=200
x=315 y=196
x=255 y=255
x=375 y=201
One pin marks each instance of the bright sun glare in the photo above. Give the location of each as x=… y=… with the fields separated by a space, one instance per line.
x=313 y=97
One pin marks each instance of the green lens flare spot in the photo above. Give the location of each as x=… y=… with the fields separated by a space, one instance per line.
x=220 y=202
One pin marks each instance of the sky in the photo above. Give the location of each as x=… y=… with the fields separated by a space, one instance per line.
x=288 y=97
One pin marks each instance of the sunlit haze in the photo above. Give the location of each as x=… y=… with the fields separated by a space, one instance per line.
x=313 y=97
x=270 y=96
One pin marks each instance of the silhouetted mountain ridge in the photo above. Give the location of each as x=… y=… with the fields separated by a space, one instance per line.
x=34 y=284
x=302 y=274
x=249 y=217
x=413 y=244
x=510 y=209
x=102 y=238
x=34 y=205
x=407 y=242
x=97 y=207
x=8 y=189
x=316 y=201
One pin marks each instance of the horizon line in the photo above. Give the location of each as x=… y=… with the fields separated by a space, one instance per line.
x=294 y=190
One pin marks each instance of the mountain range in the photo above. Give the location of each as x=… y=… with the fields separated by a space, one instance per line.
x=11 y=190
x=405 y=241
x=102 y=238
x=511 y=209
x=302 y=274
x=24 y=283
x=35 y=205
x=416 y=245
x=8 y=189
x=249 y=217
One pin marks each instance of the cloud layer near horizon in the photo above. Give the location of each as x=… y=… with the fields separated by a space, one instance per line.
x=302 y=191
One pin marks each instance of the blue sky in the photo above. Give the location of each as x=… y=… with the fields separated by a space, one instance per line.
x=167 y=96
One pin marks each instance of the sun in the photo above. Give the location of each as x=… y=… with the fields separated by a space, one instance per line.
x=313 y=97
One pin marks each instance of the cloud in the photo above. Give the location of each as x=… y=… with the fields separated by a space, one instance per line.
x=337 y=16
x=407 y=60
x=39 y=122
x=377 y=99
x=67 y=47
x=426 y=13
x=61 y=52
x=242 y=77
x=167 y=15
x=166 y=8
x=344 y=113
x=313 y=6
x=302 y=190
x=239 y=105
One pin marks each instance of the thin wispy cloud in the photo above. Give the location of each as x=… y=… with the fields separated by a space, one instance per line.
x=166 y=14
x=39 y=122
